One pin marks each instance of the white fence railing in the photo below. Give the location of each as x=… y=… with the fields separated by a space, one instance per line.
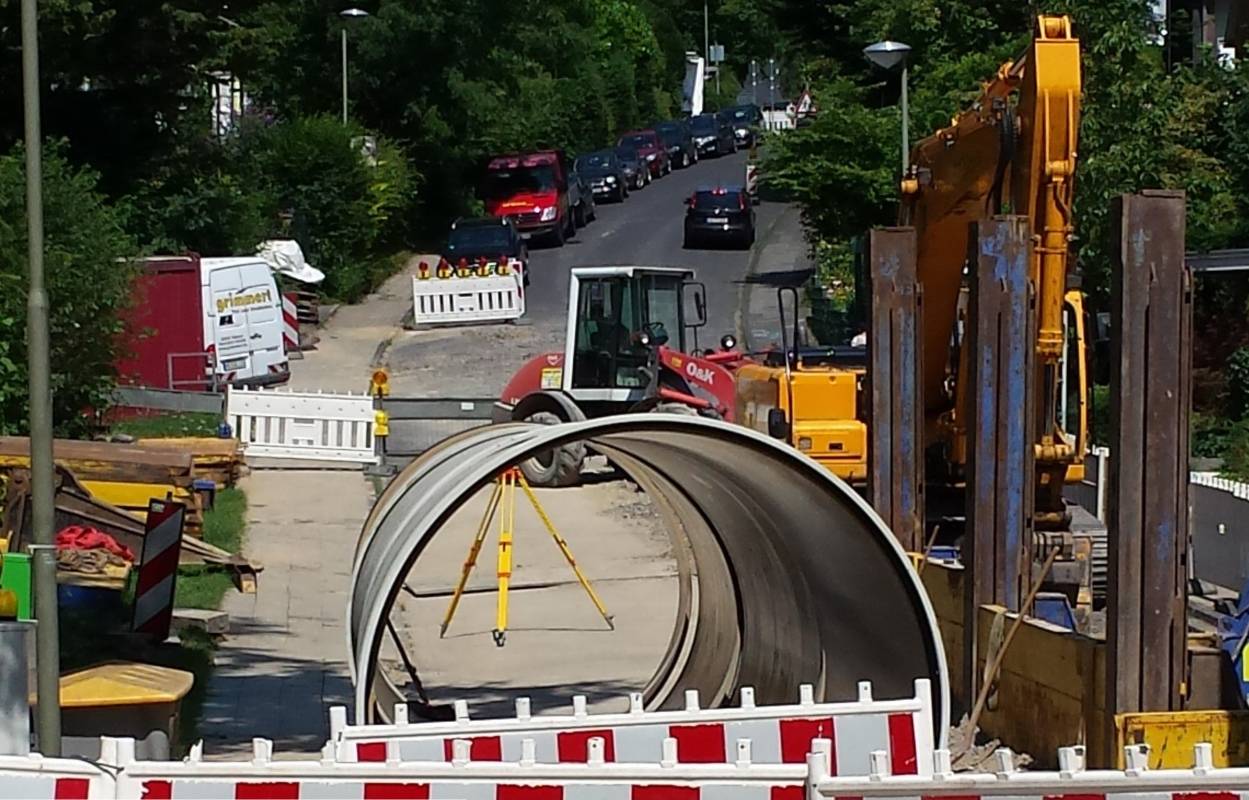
x=478 y=293
x=1218 y=518
x=274 y=423
x=902 y=728
x=119 y=776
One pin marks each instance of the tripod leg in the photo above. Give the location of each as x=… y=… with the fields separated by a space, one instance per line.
x=507 y=521
x=567 y=551
x=470 y=562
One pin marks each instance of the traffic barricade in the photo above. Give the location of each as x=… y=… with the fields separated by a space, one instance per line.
x=903 y=728
x=34 y=777
x=468 y=292
x=274 y=423
x=1072 y=782
x=461 y=778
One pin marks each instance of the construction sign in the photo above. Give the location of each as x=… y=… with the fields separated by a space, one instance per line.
x=158 y=567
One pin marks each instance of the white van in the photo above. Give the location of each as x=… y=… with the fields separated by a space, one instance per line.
x=243 y=322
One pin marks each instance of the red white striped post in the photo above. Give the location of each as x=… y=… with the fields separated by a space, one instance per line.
x=158 y=567
x=290 y=323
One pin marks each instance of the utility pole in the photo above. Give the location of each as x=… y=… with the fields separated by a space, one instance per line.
x=706 y=33
x=771 y=82
x=344 y=74
x=754 y=81
x=43 y=520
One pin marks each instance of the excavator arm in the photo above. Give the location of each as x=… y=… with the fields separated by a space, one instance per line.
x=1013 y=152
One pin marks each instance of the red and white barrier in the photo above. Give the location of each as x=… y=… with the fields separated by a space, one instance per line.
x=158 y=568
x=1071 y=782
x=779 y=734
x=37 y=778
x=460 y=779
x=290 y=323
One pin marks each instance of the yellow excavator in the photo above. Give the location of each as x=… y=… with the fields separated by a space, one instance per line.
x=1012 y=152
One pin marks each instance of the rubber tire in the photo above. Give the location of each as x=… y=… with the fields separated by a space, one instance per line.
x=622 y=192
x=557 y=236
x=578 y=216
x=564 y=468
x=593 y=212
x=571 y=232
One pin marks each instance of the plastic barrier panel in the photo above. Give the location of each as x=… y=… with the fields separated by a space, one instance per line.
x=319 y=427
x=37 y=778
x=472 y=293
x=778 y=734
x=461 y=779
x=1071 y=782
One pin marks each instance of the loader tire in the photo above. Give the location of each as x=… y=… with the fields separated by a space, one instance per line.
x=554 y=468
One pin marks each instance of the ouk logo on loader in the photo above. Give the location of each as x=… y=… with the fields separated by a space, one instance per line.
x=240 y=301
x=700 y=373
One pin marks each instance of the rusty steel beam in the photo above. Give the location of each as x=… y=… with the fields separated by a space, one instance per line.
x=896 y=446
x=1000 y=337
x=1150 y=356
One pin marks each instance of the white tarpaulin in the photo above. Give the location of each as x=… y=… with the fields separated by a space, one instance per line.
x=285 y=257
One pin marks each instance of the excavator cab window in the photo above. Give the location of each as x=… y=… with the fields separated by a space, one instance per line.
x=607 y=354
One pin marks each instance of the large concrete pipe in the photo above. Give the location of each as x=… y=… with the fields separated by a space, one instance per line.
x=786 y=575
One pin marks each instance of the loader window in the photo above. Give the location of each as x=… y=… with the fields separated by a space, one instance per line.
x=663 y=306
x=606 y=356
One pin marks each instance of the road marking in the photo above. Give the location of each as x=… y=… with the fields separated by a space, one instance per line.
x=607 y=233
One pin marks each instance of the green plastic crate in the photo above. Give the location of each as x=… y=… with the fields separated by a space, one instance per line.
x=16 y=578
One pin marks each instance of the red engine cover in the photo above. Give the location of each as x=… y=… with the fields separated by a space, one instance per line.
x=540 y=372
x=706 y=380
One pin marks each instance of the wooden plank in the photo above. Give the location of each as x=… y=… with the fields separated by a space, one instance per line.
x=1147 y=515
x=896 y=454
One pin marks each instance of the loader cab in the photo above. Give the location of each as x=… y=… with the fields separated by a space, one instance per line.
x=617 y=317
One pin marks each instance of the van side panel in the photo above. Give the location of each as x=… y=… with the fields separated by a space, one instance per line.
x=163 y=343
x=243 y=316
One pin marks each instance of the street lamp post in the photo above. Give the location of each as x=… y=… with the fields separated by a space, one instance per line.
x=43 y=498
x=347 y=15
x=889 y=56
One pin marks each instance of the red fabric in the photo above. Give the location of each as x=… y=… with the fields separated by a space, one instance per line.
x=78 y=537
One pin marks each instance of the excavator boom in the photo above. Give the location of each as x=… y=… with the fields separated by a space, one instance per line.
x=1013 y=152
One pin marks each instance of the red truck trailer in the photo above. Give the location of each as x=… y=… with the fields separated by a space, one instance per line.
x=164 y=339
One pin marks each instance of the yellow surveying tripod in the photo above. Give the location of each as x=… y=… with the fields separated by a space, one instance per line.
x=504 y=494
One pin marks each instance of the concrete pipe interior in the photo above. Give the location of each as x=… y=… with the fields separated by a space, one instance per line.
x=786 y=575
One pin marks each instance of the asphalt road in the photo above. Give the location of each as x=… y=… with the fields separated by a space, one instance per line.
x=647 y=229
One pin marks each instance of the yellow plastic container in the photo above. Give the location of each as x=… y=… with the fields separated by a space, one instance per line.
x=125 y=699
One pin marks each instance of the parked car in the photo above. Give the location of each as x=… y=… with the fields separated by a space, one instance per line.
x=583 y=212
x=676 y=137
x=486 y=237
x=651 y=149
x=605 y=174
x=540 y=192
x=720 y=216
x=712 y=135
x=745 y=120
x=637 y=176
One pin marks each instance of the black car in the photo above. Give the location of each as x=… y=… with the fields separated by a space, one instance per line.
x=637 y=174
x=680 y=144
x=712 y=135
x=605 y=174
x=745 y=122
x=720 y=215
x=486 y=237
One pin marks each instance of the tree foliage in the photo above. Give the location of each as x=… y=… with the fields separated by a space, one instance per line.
x=87 y=279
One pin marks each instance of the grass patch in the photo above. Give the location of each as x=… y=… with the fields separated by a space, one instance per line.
x=204 y=586
x=168 y=426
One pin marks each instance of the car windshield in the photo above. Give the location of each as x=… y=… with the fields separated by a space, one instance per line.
x=703 y=124
x=712 y=201
x=595 y=163
x=743 y=114
x=639 y=140
x=507 y=182
x=476 y=237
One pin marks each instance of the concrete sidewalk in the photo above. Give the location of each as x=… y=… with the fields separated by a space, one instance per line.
x=284 y=661
x=356 y=337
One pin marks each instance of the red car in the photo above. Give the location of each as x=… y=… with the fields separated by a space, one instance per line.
x=533 y=189
x=650 y=149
